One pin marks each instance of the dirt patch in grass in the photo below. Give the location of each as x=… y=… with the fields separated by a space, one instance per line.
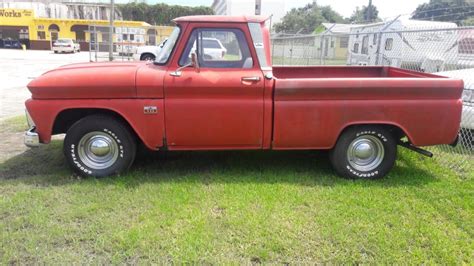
x=17 y=160
x=11 y=137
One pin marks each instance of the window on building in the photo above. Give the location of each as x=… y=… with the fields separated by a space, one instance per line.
x=132 y=37
x=93 y=37
x=355 y=49
x=388 y=44
x=80 y=36
x=41 y=35
x=374 y=41
x=23 y=34
x=466 y=46
x=365 y=45
x=344 y=42
x=105 y=37
x=332 y=44
x=124 y=37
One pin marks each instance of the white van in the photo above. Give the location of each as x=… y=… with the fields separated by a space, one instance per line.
x=427 y=46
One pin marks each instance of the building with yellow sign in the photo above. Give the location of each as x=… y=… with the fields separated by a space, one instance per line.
x=39 y=33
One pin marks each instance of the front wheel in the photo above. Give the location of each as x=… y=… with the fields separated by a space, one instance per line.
x=99 y=146
x=364 y=152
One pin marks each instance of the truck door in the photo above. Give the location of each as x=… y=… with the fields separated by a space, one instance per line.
x=220 y=104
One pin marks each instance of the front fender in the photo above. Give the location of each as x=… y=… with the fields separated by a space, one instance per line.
x=148 y=127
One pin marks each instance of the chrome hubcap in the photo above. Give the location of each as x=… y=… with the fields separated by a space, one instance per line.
x=99 y=147
x=365 y=153
x=98 y=150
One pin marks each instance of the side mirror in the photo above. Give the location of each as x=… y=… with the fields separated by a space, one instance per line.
x=194 y=63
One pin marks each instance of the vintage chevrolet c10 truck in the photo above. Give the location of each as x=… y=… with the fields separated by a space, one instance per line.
x=188 y=99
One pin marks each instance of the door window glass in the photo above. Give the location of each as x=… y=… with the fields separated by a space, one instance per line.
x=218 y=48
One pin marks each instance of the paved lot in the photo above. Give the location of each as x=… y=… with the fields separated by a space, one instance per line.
x=18 y=67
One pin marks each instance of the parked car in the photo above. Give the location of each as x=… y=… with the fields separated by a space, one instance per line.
x=467 y=120
x=65 y=45
x=186 y=101
x=148 y=52
x=10 y=44
x=213 y=49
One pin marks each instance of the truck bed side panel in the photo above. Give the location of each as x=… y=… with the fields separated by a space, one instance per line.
x=311 y=113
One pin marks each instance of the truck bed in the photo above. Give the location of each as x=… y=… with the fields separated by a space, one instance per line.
x=305 y=72
x=425 y=107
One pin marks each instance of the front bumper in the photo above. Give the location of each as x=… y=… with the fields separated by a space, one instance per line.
x=31 y=138
x=63 y=49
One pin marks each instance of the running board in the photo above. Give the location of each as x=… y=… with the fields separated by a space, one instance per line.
x=415 y=149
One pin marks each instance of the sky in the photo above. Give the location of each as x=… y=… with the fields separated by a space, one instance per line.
x=386 y=8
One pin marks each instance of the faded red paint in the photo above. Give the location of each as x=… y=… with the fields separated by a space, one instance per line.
x=299 y=108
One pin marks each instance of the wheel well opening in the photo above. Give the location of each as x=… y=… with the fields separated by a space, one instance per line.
x=145 y=54
x=66 y=118
x=394 y=130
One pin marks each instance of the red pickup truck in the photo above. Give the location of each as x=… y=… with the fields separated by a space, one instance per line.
x=195 y=96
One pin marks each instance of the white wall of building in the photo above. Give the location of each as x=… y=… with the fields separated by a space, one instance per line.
x=247 y=8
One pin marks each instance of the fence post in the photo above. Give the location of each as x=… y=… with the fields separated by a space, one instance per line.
x=321 y=44
x=283 y=53
x=291 y=52
x=379 y=41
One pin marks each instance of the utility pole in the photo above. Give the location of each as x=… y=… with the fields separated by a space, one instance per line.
x=369 y=11
x=111 y=31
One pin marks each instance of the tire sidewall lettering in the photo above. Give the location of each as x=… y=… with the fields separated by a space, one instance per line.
x=374 y=173
x=73 y=150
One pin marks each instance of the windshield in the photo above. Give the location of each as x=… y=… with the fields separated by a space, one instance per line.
x=168 y=46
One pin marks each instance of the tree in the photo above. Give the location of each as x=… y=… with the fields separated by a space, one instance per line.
x=365 y=14
x=458 y=11
x=160 y=14
x=306 y=19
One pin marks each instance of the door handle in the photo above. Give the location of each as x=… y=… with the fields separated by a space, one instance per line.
x=176 y=73
x=250 y=78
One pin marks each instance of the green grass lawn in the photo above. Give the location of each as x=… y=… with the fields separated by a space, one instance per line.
x=221 y=207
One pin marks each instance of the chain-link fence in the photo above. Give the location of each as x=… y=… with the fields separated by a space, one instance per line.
x=125 y=41
x=426 y=46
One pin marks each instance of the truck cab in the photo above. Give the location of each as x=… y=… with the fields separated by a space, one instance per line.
x=197 y=95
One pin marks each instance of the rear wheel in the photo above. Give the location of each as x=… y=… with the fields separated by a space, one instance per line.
x=364 y=152
x=99 y=146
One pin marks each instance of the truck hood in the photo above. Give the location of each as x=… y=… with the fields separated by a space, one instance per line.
x=109 y=80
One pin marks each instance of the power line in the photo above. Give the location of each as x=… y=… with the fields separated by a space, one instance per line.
x=444 y=8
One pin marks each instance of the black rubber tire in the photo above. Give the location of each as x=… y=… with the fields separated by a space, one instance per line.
x=338 y=155
x=147 y=57
x=55 y=52
x=111 y=126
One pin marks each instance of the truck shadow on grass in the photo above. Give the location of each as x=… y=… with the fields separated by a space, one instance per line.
x=46 y=165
